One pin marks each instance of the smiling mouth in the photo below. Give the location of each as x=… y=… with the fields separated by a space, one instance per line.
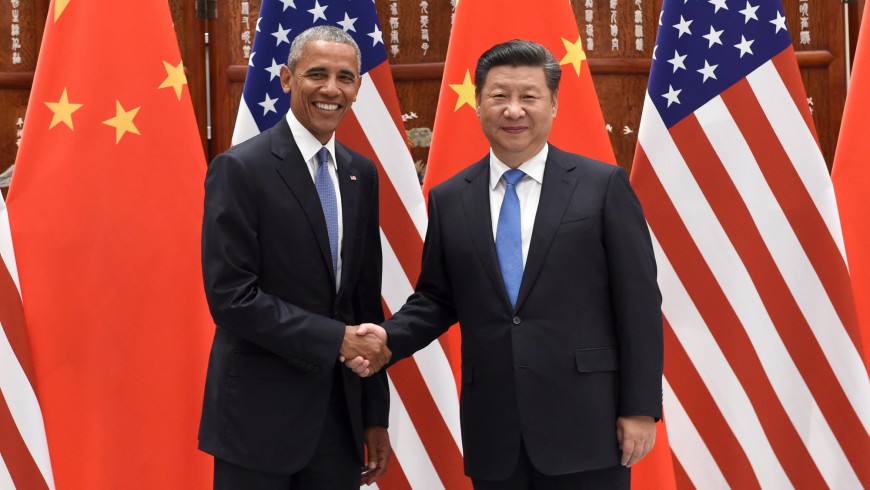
x=326 y=107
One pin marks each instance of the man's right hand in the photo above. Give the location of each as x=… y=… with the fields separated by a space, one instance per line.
x=362 y=365
x=365 y=354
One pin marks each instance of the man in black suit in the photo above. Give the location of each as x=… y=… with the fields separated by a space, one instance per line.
x=291 y=256
x=545 y=260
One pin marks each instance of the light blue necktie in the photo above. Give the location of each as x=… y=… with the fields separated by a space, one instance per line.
x=509 y=236
x=326 y=191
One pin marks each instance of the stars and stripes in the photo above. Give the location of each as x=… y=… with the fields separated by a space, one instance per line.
x=424 y=416
x=24 y=461
x=765 y=385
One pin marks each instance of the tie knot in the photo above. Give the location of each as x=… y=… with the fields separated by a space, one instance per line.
x=323 y=155
x=513 y=176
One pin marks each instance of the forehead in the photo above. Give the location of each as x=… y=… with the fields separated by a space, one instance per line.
x=326 y=53
x=517 y=77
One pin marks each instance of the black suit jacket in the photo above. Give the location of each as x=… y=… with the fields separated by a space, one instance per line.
x=584 y=344
x=271 y=290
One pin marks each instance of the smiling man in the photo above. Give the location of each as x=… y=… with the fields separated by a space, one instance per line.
x=291 y=256
x=545 y=260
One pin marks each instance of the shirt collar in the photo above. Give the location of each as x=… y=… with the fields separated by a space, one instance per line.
x=307 y=143
x=533 y=167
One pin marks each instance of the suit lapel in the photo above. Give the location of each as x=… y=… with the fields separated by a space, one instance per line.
x=348 y=183
x=558 y=186
x=294 y=172
x=475 y=202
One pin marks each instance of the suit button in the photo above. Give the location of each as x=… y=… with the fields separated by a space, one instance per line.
x=335 y=313
x=516 y=320
x=315 y=369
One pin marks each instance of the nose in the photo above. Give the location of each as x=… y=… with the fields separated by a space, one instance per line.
x=514 y=109
x=330 y=86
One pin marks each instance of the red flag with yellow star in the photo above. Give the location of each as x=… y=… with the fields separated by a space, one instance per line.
x=105 y=210
x=457 y=140
x=851 y=176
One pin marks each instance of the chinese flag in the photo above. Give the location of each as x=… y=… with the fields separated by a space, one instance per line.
x=105 y=211
x=851 y=176
x=457 y=140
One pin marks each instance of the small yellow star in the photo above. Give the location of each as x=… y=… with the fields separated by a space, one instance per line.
x=465 y=91
x=575 y=54
x=59 y=6
x=174 y=78
x=63 y=110
x=123 y=121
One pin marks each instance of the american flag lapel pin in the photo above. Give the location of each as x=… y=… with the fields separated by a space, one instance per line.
x=353 y=178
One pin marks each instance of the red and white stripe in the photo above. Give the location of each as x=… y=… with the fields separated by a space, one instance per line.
x=24 y=460
x=424 y=415
x=765 y=385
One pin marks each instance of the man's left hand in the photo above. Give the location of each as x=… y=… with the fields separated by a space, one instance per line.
x=636 y=436
x=378 y=453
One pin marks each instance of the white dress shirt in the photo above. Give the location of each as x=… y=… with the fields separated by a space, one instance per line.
x=309 y=146
x=528 y=192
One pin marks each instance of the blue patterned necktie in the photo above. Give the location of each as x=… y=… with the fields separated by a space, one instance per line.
x=326 y=191
x=509 y=236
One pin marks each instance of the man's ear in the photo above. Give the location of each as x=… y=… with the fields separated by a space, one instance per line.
x=286 y=76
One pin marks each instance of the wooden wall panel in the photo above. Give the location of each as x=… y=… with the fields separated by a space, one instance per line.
x=16 y=75
x=228 y=65
x=190 y=32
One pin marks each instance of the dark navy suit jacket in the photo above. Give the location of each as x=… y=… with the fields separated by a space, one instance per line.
x=584 y=343
x=271 y=290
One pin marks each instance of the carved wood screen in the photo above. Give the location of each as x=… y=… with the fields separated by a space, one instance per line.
x=618 y=35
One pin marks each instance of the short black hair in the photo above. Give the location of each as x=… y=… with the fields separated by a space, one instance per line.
x=518 y=52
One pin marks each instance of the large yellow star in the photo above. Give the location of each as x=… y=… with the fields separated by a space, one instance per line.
x=465 y=91
x=123 y=121
x=575 y=54
x=59 y=6
x=63 y=110
x=174 y=78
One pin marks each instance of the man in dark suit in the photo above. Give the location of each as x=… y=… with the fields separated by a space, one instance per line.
x=545 y=260
x=291 y=256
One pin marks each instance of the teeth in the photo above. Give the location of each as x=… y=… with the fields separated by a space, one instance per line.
x=326 y=107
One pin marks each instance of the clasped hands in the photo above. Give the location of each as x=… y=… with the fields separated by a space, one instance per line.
x=364 y=349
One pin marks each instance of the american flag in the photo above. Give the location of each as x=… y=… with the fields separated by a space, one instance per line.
x=764 y=381
x=23 y=448
x=424 y=415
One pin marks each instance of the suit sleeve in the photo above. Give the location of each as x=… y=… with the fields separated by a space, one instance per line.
x=636 y=300
x=430 y=311
x=231 y=270
x=368 y=309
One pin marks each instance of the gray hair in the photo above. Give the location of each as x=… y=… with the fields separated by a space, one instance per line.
x=518 y=52
x=326 y=33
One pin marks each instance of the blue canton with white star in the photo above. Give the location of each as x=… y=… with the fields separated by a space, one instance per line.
x=705 y=46
x=279 y=23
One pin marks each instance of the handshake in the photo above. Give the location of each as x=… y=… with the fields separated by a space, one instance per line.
x=364 y=349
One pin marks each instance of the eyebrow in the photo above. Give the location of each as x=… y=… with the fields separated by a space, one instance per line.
x=321 y=69
x=522 y=88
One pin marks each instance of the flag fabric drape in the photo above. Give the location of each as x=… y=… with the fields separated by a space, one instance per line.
x=24 y=460
x=424 y=415
x=457 y=140
x=851 y=175
x=105 y=210
x=765 y=386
